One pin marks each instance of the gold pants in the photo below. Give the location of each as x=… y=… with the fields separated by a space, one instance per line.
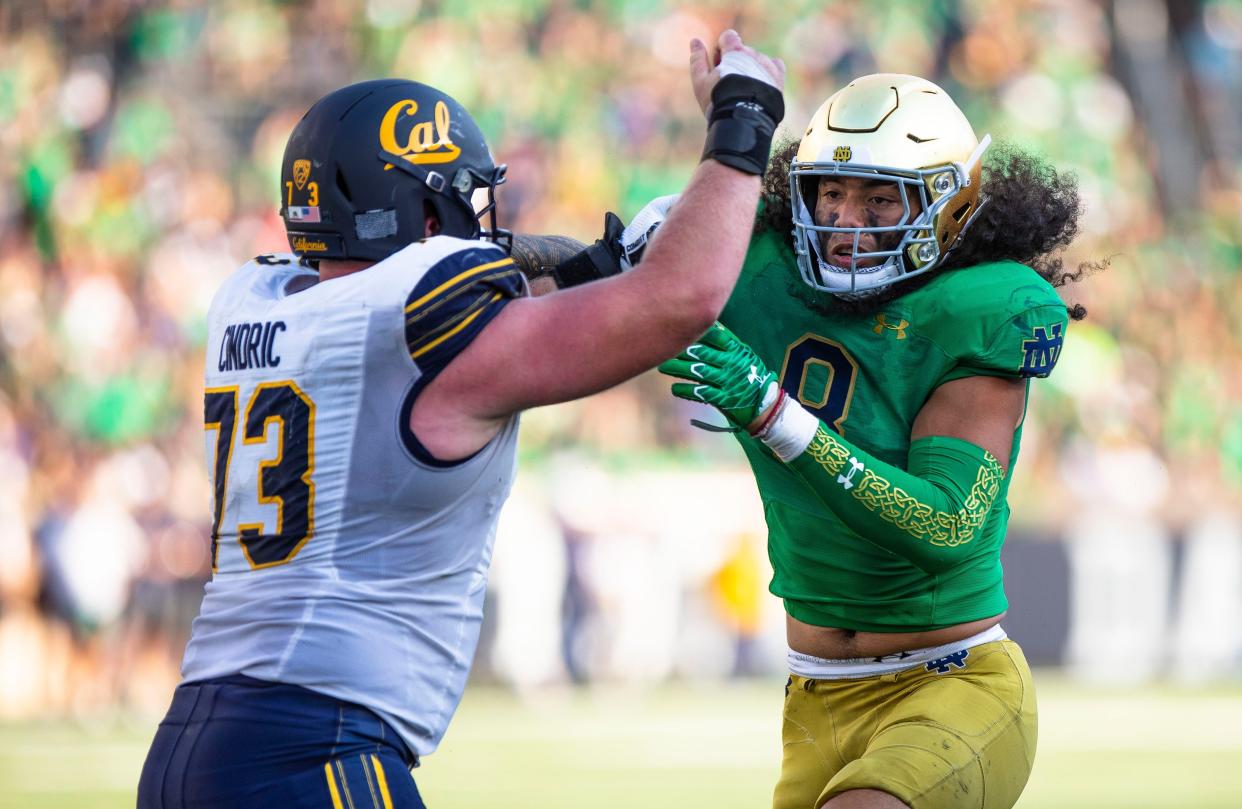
x=953 y=737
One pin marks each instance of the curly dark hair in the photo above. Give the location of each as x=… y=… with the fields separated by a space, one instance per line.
x=775 y=210
x=1031 y=213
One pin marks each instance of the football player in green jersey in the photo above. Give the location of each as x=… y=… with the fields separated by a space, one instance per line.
x=876 y=368
x=884 y=437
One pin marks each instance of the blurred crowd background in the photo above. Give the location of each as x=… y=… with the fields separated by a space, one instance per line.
x=139 y=164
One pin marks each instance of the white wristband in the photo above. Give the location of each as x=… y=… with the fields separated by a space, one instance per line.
x=790 y=431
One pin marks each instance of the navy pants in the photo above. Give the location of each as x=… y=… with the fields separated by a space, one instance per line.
x=242 y=743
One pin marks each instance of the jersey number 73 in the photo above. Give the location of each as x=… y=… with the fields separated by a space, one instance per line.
x=283 y=481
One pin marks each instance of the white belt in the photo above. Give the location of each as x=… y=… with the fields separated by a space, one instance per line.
x=819 y=668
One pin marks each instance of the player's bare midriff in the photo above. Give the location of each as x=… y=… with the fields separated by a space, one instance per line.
x=832 y=643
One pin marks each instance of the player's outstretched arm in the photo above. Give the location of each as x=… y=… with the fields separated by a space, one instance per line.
x=562 y=346
x=928 y=512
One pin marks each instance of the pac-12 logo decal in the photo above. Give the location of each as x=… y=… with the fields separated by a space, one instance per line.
x=1040 y=353
x=301 y=173
x=425 y=141
x=842 y=154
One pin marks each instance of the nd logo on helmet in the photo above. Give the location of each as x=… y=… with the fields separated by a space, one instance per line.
x=842 y=154
x=301 y=172
x=427 y=142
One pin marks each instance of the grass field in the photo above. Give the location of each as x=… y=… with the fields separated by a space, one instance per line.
x=682 y=746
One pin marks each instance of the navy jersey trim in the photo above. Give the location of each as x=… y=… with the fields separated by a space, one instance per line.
x=450 y=306
x=410 y=441
x=456 y=298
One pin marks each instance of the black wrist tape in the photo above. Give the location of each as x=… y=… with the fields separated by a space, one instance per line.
x=591 y=264
x=600 y=260
x=744 y=115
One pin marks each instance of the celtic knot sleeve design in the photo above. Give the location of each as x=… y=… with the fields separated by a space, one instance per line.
x=941 y=528
x=828 y=451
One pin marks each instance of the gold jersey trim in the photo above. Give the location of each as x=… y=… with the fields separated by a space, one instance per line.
x=457 y=279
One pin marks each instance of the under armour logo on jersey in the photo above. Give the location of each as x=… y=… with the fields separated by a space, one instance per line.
x=943 y=665
x=847 y=480
x=1041 y=353
x=753 y=377
x=881 y=323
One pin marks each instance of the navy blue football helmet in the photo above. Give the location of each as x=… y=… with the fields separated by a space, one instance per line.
x=368 y=162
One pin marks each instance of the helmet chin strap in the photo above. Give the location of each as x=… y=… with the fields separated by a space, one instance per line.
x=974 y=158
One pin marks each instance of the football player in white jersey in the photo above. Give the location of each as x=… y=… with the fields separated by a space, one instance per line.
x=361 y=402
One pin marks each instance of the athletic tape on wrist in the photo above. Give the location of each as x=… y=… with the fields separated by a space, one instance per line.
x=591 y=264
x=740 y=63
x=600 y=260
x=790 y=433
x=771 y=416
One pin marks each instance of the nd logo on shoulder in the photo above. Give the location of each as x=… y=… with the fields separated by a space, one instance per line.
x=1041 y=352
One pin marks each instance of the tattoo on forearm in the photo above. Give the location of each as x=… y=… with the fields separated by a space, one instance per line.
x=536 y=256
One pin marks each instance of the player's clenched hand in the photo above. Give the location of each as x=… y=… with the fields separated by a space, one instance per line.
x=724 y=372
x=729 y=56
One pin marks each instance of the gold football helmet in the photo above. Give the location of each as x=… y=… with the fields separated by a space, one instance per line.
x=891 y=128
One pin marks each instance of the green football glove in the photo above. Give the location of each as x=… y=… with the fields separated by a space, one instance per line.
x=724 y=372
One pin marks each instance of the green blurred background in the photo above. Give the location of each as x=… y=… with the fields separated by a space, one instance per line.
x=631 y=654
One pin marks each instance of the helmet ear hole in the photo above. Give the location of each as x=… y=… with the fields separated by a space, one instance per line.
x=961 y=212
x=431 y=219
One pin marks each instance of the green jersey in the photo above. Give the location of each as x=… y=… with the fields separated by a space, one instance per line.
x=867 y=377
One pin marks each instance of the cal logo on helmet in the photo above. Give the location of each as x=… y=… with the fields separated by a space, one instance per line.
x=427 y=141
x=301 y=173
x=842 y=154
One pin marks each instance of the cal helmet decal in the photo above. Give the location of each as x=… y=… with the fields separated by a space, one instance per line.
x=425 y=141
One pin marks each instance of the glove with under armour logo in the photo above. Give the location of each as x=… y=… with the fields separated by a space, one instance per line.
x=725 y=373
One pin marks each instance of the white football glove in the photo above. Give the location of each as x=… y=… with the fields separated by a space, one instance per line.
x=642 y=227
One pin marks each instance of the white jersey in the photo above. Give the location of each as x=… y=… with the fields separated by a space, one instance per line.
x=345 y=559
